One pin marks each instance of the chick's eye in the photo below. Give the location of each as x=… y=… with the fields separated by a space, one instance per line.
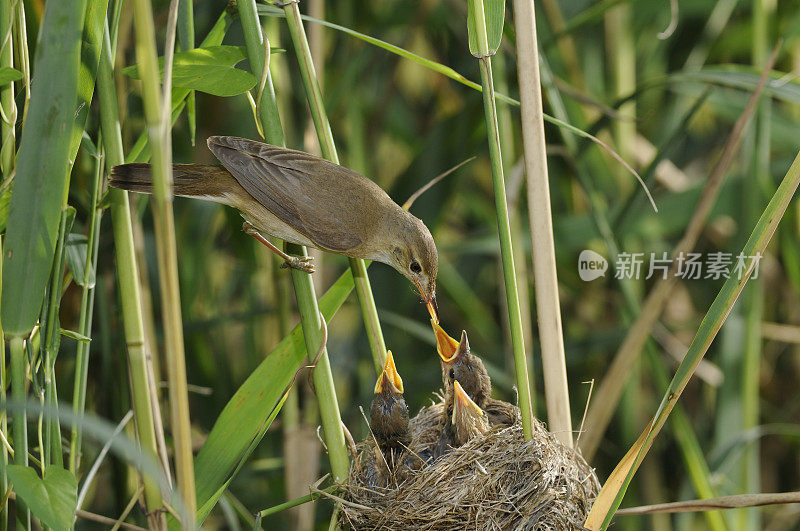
x=415 y=267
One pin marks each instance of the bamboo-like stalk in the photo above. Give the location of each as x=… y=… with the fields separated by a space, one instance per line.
x=157 y=113
x=548 y=307
x=515 y=214
x=186 y=41
x=128 y=282
x=85 y=319
x=503 y=226
x=621 y=54
x=3 y=415
x=18 y=364
x=7 y=152
x=369 y=311
x=304 y=288
x=51 y=452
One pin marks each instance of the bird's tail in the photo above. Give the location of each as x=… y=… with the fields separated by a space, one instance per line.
x=206 y=181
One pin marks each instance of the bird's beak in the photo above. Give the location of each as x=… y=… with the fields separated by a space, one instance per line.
x=389 y=377
x=464 y=405
x=433 y=308
x=448 y=348
x=430 y=301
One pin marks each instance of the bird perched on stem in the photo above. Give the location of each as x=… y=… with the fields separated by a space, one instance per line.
x=305 y=200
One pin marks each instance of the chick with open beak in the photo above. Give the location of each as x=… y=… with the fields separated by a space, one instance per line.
x=468 y=419
x=461 y=365
x=389 y=412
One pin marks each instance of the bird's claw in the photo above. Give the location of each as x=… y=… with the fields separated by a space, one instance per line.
x=302 y=263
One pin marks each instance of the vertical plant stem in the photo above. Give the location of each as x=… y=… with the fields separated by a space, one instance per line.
x=369 y=312
x=621 y=53
x=51 y=452
x=303 y=285
x=186 y=41
x=158 y=132
x=3 y=415
x=128 y=282
x=322 y=375
x=8 y=148
x=85 y=320
x=506 y=249
x=7 y=152
x=18 y=363
x=548 y=307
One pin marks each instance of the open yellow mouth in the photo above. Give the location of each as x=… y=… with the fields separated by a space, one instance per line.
x=446 y=346
x=464 y=403
x=390 y=376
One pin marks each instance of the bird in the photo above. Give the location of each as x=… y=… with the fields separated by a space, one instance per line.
x=302 y=199
x=389 y=412
x=390 y=460
x=460 y=365
x=466 y=421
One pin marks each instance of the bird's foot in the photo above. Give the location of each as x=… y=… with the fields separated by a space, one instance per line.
x=302 y=263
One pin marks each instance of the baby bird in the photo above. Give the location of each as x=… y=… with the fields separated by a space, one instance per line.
x=389 y=412
x=459 y=364
x=467 y=421
x=389 y=423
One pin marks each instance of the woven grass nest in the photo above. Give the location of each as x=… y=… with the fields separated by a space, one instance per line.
x=495 y=481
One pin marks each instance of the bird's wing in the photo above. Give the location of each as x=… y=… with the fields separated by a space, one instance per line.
x=296 y=187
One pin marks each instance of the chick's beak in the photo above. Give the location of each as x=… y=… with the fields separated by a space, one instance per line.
x=463 y=404
x=389 y=378
x=446 y=346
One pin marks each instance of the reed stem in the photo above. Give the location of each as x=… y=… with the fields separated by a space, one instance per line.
x=369 y=311
x=548 y=307
x=128 y=282
x=304 y=287
x=503 y=225
x=18 y=364
x=158 y=123
x=7 y=152
x=85 y=319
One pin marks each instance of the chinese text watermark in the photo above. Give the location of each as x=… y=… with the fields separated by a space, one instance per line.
x=687 y=266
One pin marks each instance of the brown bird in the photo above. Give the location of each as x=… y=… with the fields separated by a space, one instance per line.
x=460 y=365
x=466 y=421
x=305 y=200
x=390 y=461
x=389 y=412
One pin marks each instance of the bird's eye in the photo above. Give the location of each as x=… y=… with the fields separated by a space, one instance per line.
x=415 y=267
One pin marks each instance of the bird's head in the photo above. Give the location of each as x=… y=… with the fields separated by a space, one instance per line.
x=468 y=419
x=414 y=254
x=389 y=381
x=459 y=364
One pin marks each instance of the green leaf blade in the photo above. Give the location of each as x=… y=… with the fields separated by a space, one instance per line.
x=245 y=419
x=42 y=177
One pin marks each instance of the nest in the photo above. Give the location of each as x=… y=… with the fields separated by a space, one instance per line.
x=495 y=481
